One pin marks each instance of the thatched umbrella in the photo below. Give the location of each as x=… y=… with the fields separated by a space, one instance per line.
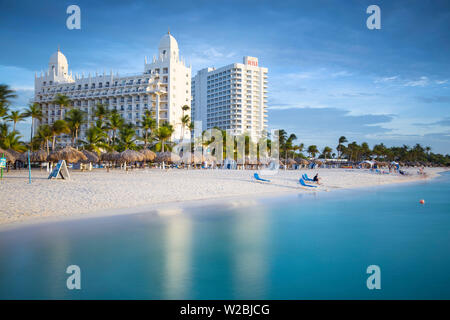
x=8 y=155
x=167 y=157
x=68 y=153
x=91 y=156
x=15 y=154
x=319 y=163
x=291 y=162
x=36 y=156
x=148 y=154
x=301 y=161
x=110 y=156
x=130 y=156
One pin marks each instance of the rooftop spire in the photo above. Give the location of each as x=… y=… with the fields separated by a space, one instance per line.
x=59 y=48
x=168 y=30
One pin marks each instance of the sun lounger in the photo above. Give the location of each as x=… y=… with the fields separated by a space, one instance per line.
x=257 y=177
x=303 y=183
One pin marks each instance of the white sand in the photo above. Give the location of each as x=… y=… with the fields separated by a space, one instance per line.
x=97 y=191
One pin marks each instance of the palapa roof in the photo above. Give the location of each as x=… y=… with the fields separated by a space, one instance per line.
x=8 y=155
x=130 y=156
x=167 y=157
x=68 y=153
x=189 y=157
x=148 y=154
x=91 y=156
x=291 y=161
x=110 y=156
x=301 y=161
x=36 y=156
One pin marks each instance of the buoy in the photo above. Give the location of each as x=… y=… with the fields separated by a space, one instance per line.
x=422 y=201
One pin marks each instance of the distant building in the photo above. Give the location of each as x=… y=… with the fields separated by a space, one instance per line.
x=163 y=88
x=233 y=98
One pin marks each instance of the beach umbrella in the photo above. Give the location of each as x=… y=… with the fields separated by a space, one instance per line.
x=91 y=156
x=319 y=163
x=15 y=154
x=71 y=155
x=291 y=162
x=148 y=154
x=130 y=156
x=110 y=156
x=36 y=156
x=8 y=155
x=167 y=157
x=302 y=161
x=188 y=157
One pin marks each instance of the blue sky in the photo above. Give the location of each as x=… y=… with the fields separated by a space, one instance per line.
x=328 y=74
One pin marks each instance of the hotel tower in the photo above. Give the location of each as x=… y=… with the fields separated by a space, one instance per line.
x=232 y=98
x=163 y=88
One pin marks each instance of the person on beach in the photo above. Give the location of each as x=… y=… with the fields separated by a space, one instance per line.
x=316 y=178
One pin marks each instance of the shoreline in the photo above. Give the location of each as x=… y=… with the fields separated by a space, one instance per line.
x=171 y=206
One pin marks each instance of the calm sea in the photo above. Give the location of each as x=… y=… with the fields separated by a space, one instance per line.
x=314 y=246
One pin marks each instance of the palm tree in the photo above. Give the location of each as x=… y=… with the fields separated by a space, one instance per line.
x=326 y=152
x=115 y=123
x=185 y=120
x=101 y=111
x=63 y=102
x=312 y=150
x=12 y=141
x=147 y=123
x=75 y=118
x=35 y=112
x=127 y=137
x=58 y=127
x=340 y=147
x=95 y=139
x=163 y=133
x=6 y=95
x=15 y=116
x=44 y=133
x=288 y=145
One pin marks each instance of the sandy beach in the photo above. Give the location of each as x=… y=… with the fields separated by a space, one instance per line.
x=87 y=193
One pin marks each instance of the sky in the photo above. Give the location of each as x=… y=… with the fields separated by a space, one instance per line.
x=329 y=75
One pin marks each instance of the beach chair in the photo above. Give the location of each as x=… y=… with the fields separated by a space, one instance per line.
x=258 y=178
x=306 y=178
x=303 y=183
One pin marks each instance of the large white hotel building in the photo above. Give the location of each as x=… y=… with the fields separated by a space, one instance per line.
x=232 y=98
x=163 y=88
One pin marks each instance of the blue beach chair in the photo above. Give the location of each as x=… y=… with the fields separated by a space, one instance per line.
x=258 y=178
x=306 y=178
x=302 y=182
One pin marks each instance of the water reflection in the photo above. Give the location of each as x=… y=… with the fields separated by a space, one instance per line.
x=250 y=242
x=177 y=273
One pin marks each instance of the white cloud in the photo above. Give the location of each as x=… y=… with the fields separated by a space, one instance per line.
x=386 y=79
x=421 y=82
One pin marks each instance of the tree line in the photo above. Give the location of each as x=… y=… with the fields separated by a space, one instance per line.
x=111 y=132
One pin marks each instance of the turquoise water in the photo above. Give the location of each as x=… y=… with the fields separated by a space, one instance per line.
x=314 y=246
